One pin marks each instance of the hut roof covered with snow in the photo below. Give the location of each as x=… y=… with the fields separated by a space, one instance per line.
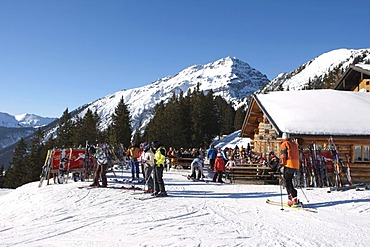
x=310 y=112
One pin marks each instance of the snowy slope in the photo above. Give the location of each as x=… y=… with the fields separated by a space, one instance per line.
x=318 y=68
x=195 y=214
x=32 y=120
x=229 y=77
x=8 y=121
x=23 y=120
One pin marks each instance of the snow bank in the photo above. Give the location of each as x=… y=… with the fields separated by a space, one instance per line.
x=196 y=214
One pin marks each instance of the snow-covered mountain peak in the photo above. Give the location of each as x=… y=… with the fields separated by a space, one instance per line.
x=32 y=120
x=228 y=77
x=9 y=121
x=23 y=120
x=329 y=64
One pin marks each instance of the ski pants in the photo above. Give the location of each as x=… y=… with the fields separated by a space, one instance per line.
x=194 y=167
x=288 y=177
x=101 y=171
x=212 y=163
x=134 y=164
x=148 y=176
x=218 y=176
x=158 y=179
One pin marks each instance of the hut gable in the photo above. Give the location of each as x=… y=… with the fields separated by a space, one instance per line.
x=356 y=78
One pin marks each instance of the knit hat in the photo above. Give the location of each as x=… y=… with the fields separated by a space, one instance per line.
x=285 y=136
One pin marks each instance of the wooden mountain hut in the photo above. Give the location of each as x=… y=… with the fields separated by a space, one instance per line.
x=311 y=117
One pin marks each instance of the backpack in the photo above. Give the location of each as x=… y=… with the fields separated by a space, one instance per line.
x=163 y=151
x=92 y=150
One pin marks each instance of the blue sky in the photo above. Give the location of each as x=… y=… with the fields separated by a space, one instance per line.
x=56 y=54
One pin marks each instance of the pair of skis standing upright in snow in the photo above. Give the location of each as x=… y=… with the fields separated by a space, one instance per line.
x=62 y=176
x=314 y=169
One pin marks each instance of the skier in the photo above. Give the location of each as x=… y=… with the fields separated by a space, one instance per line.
x=147 y=160
x=196 y=164
x=133 y=153
x=219 y=168
x=102 y=164
x=211 y=155
x=159 y=161
x=289 y=158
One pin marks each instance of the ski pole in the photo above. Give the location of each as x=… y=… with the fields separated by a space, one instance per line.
x=304 y=195
x=281 y=192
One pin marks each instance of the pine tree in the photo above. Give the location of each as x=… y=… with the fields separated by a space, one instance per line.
x=2 y=177
x=14 y=176
x=226 y=115
x=239 y=118
x=211 y=118
x=65 y=130
x=199 y=117
x=86 y=129
x=121 y=124
x=36 y=157
x=154 y=129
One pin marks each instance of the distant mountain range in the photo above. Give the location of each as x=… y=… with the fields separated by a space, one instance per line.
x=13 y=128
x=23 y=120
x=228 y=77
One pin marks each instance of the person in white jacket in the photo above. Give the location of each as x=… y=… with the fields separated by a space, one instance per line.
x=147 y=159
x=197 y=164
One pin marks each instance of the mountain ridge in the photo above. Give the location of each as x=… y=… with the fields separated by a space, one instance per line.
x=322 y=71
x=228 y=77
x=25 y=120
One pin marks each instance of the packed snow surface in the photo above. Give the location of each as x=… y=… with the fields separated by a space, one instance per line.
x=195 y=214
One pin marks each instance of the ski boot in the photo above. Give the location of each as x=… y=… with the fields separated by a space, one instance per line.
x=294 y=202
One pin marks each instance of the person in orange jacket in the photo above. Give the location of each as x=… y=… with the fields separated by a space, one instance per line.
x=219 y=168
x=289 y=157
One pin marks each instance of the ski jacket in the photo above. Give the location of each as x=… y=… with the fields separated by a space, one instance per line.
x=101 y=156
x=159 y=156
x=133 y=152
x=289 y=154
x=147 y=158
x=230 y=163
x=211 y=153
x=197 y=162
x=219 y=164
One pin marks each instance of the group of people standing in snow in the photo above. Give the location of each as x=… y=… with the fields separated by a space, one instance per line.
x=152 y=157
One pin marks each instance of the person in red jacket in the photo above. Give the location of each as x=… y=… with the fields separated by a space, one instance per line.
x=219 y=168
x=289 y=157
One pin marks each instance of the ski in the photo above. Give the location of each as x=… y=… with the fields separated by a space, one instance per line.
x=46 y=168
x=134 y=188
x=201 y=180
x=143 y=198
x=362 y=187
x=296 y=207
x=344 y=188
x=339 y=166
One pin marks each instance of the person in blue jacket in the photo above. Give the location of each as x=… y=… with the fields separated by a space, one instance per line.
x=211 y=155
